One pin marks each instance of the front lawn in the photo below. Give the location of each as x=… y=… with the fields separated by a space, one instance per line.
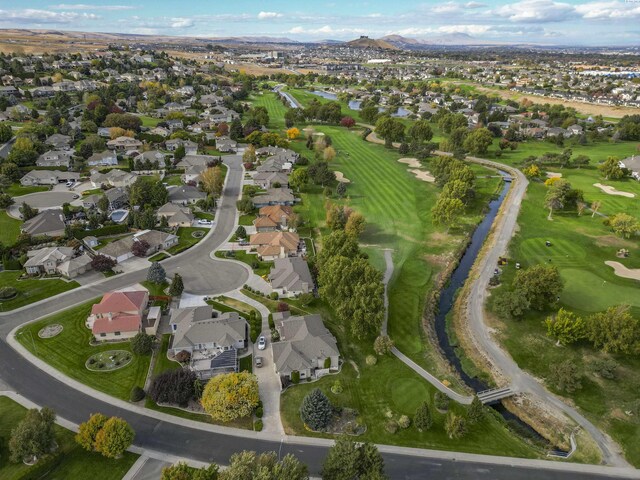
x=173 y=180
x=259 y=267
x=155 y=289
x=159 y=257
x=17 y=190
x=71 y=461
x=186 y=239
x=162 y=361
x=246 y=220
x=32 y=289
x=9 y=229
x=69 y=351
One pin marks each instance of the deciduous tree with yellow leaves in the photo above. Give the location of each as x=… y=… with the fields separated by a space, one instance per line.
x=230 y=396
x=293 y=133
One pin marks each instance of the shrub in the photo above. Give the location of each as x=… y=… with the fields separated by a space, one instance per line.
x=259 y=411
x=391 y=426
x=8 y=292
x=565 y=376
x=102 y=263
x=316 y=410
x=282 y=307
x=605 y=368
x=295 y=376
x=257 y=425
x=423 y=419
x=272 y=324
x=230 y=396
x=336 y=388
x=455 y=426
x=142 y=344
x=382 y=345
x=137 y=394
x=371 y=360
x=404 y=422
x=273 y=296
x=441 y=401
x=183 y=356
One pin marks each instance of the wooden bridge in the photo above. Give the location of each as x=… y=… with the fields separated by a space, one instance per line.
x=495 y=394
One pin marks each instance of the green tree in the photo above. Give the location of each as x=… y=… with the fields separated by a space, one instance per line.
x=447 y=211
x=455 y=425
x=382 y=345
x=113 y=439
x=87 y=431
x=34 y=436
x=5 y=200
x=241 y=232
x=248 y=465
x=355 y=224
x=476 y=410
x=299 y=178
x=565 y=376
x=390 y=128
x=478 y=141
x=316 y=410
x=541 y=285
x=156 y=273
x=179 y=153
x=423 y=419
x=245 y=205
x=230 y=396
x=27 y=211
x=348 y=460
x=11 y=170
x=5 y=133
x=182 y=471
x=142 y=344
x=624 y=225
x=566 y=327
x=177 y=286
x=611 y=169
x=614 y=330
x=420 y=132
x=103 y=203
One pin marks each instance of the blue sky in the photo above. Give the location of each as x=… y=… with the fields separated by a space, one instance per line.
x=566 y=22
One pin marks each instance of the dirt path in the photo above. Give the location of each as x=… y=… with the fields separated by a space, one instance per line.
x=621 y=271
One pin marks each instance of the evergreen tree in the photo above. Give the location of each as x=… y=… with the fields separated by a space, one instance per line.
x=177 y=286
x=476 y=410
x=423 y=419
x=156 y=273
x=316 y=410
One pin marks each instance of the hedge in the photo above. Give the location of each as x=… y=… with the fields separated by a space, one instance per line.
x=102 y=232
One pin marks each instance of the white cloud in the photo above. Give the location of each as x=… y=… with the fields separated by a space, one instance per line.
x=267 y=15
x=536 y=11
x=468 y=29
x=35 y=16
x=609 y=10
x=325 y=30
x=180 y=22
x=474 y=5
x=86 y=6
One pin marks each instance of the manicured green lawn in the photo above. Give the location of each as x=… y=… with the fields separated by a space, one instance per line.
x=162 y=362
x=69 y=351
x=17 y=190
x=246 y=220
x=186 y=239
x=271 y=101
x=262 y=269
x=173 y=180
x=71 y=461
x=158 y=257
x=9 y=229
x=205 y=215
x=155 y=289
x=580 y=246
x=32 y=289
x=149 y=121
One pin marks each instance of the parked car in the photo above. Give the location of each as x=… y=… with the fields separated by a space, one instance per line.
x=76 y=196
x=262 y=343
x=258 y=362
x=203 y=221
x=70 y=184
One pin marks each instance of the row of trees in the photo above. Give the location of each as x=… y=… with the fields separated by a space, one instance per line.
x=346 y=460
x=349 y=283
x=457 y=181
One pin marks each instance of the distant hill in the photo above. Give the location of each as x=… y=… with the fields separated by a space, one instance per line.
x=453 y=39
x=366 y=42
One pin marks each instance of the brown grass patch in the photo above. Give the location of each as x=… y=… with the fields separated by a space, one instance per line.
x=613 y=241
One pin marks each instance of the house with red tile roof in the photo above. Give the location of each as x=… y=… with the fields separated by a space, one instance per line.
x=119 y=315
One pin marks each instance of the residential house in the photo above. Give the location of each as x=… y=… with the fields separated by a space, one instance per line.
x=305 y=346
x=117 y=197
x=115 y=178
x=48 y=177
x=46 y=260
x=192 y=173
x=275 y=164
x=119 y=315
x=102 y=159
x=211 y=338
x=272 y=245
x=185 y=195
x=279 y=215
x=160 y=131
x=121 y=249
x=59 y=141
x=633 y=165
x=226 y=145
x=48 y=222
x=268 y=180
x=291 y=277
x=174 y=125
x=124 y=143
x=151 y=156
x=55 y=158
x=176 y=215
x=274 y=196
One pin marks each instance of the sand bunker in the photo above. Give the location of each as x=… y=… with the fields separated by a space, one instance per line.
x=554 y=175
x=341 y=178
x=412 y=162
x=613 y=191
x=622 y=271
x=423 y=175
